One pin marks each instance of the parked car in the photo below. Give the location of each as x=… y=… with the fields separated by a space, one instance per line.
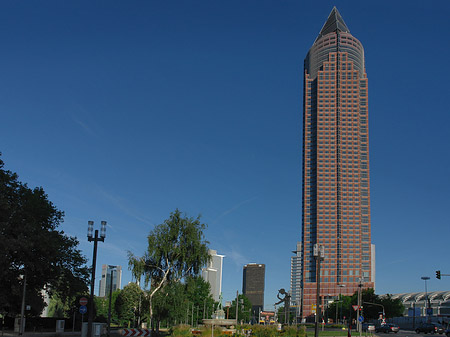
x=368 y=327
x=388 y=327
x=430 y=328
x=438 y=328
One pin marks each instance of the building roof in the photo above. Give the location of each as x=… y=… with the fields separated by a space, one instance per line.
x=334 y=23
x=420 y=296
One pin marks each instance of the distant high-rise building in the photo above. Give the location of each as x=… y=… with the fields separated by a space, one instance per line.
x=253 y=285
x=336 y=187
x=213 y=274
x=296 y=273
x=105 y=281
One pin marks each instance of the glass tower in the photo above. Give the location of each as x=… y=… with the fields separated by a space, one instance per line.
x=336 y=189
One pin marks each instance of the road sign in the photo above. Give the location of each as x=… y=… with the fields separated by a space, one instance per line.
x=361 y=319
x=136 y=332
x=83 y=309
x=83 y=301
x=355 y=307
x=313 y=308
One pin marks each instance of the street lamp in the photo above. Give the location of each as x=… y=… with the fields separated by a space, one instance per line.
x=319 y=256
x=425 y=278
x=339 y=302
x=94 y=238
x=112 y=268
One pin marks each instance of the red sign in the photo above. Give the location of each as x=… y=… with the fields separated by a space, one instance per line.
x=355 y=307
x=83 y=301
x=136 y=332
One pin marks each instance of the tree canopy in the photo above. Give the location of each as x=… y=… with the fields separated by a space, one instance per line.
x=34 y=249
x=176 y=250
x=372 y=305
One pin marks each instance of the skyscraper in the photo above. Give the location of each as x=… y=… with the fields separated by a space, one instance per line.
x=213 y=274
x=336 y=189
x=105 y=281
x=296 y=278
x=253 y=285
x=296 y=272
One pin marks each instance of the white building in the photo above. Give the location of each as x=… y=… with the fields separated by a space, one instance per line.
x=213 y=273
x=296 y=273
x=105 y=281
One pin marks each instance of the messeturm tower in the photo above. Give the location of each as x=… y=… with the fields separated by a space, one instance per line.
x=336 y=187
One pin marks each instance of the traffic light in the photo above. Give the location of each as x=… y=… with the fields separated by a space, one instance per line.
x=438 y=274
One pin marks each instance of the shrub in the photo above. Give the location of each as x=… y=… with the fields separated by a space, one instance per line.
x=181 y=331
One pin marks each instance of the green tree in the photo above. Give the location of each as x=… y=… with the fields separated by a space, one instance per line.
x=129 y=305
x=244 y=309
x=176 y=249
x=393 y=307
x=33 y=249
x=372 y=304
x=171 y=304
x=282 y=315
x=198 y=293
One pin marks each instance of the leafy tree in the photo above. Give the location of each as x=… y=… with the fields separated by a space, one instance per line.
x=33 y=249
x=198 y=293
x=372 y=305
x=244 y=309
x=393 y=307
x=176 y=249
x=282 y=315
x=171 y=304
x=129 y=305
x=56 y=307
x=102 y=307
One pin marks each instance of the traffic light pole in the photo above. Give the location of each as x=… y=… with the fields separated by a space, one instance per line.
x=438 y=274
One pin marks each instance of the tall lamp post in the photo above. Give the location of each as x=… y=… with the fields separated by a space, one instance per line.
x=319 y=255
x=339 y=302
x=112 y=268
x=94 y=238
x=425 y=278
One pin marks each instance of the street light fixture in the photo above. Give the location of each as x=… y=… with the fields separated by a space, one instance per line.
x=425 y=278
x=339 y=302
x=94 y=238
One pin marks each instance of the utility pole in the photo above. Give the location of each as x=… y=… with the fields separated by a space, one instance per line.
x=22 y=308
x=319 y=255
x=358 y=324
x=237 y=307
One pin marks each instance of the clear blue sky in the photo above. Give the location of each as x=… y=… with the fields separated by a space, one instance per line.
x=124 y=111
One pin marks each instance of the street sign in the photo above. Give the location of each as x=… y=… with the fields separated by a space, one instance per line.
x=313 y=308
x=136 y=332
x=355 y=307
x=361 y=319
x=83 y=309
x=83 y=301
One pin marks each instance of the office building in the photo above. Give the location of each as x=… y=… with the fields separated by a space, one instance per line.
x=296 y=272
x=213 y=274
x=105 y=281
x=253 y=286
x=336 y=188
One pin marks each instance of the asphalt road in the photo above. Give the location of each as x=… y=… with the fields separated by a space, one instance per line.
x=408 y=333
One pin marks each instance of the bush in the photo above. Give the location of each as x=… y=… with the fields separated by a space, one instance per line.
x=264 y=330
x=181 y=331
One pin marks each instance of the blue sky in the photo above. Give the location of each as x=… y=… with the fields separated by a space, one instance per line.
x=124 y=111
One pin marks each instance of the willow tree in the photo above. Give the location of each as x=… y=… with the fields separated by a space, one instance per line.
x=176 y=249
